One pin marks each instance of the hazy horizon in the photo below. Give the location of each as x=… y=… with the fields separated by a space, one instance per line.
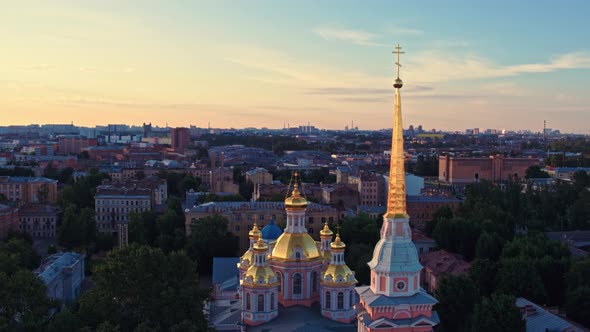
x=504 y=65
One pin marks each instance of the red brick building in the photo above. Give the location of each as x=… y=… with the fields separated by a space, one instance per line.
x=438 y=263
x=8 y=220
x=75 y=145
x=181 y=138
x=421 y=208
x=458 y=170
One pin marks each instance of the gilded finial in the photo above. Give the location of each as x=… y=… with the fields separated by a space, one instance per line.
x=398 y=82
x=326 y=231
x=337 y=244
x=255 y=232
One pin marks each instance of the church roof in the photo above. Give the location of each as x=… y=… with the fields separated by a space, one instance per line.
x=271 y=231
x=377 y=300
x=384 y=322
x=289 y=243
x=389 y=256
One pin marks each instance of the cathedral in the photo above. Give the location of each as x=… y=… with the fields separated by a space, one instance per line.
x=289 y=268
x=293 y=269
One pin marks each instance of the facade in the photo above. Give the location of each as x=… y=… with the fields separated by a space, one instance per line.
x=8 y=220
x=394 y=301
x=113 y=205
x=439 y=263
x=343 y=196
x=295 y=270
x=181 y=138
x=38 y=220
x=63 y=274
x=455 y=170
x=259 y=175
x=372 y=189
x=421 y=208
x=68 y=145
x=157 y=186
x=565 y=173
x=242 y=215
x=25 y=190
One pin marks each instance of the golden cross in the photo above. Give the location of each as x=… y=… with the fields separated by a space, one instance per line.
x=398 y=52
x=338 y=229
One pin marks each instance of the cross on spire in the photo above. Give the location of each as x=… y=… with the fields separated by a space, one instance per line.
x=397 y=52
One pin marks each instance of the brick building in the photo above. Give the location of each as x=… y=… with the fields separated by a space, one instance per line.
x=38 y=220
x=25 y=190
x=421 y=208
x=242 y=215
x=458 y=170
x=438 y=263
x=8 y=220
x=181 y=138
x=75 y=145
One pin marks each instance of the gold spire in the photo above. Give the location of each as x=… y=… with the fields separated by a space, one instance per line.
x=337 y=244
x=295 y=200
x=396 y=198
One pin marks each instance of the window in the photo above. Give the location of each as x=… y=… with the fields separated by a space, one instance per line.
x=328 y=300
x=261 y=217
x=260 y=302
x=248 y=301
x=310 y=220
x=340 y=300
x=280 y=280
x=350 y=298
x=400 y=285
x=272 y=301
x=314 y=281
x=297 y=284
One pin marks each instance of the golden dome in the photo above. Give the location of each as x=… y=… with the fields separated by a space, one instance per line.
x=247 y=256
x=337 y=244
x=260 y=245
x=255 y=232
x=338 y=274
x=295 y=200
x=260 y=275
x=326 y=231
x=290 y=243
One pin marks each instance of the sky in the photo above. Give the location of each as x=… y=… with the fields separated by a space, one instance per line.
x=483 y=64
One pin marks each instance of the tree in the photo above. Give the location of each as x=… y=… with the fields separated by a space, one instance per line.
x=210 y=237
x=137 y=283
x=456 y=295
x=19 y=253
x=489 y=246
x=457 y=235
x=578 y=305
x=498 y=313
x=443 y=212
x=535 y=172
x=78 y=227
x=24 y=304
x=65 y=321
x=519 y=277
x=483 y=273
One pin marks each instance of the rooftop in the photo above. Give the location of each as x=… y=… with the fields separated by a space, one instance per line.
x=228 y=207
x=442 y=262
x=56 y=263
x=539 y=319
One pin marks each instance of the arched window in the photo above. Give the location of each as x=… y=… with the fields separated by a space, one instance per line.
x=280 y=280
x=272 y=301
x=350 y=299
x=248 y=305
x=260 y=302
x=297 y=283
x=314 y=281
x=328 y=300
x=340 y=300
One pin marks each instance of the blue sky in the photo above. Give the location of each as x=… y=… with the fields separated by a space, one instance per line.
x=500 y=64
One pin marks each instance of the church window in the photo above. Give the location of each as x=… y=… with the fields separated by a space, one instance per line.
x=297 y=255
x=350 y=298
x=272 y=301
x=260 y=302
x=280 y=279
x=314 y=281
x=297 y=284
x=340 y=302
x=328 y=300
x=248 y=305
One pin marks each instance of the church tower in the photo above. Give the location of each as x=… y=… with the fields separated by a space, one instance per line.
x=248 y=257
x=337 y=285
x=394 y=301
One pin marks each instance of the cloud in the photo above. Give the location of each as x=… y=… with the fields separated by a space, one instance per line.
x=397 y=31
x=358 y=37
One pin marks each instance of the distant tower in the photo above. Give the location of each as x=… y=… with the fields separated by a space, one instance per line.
x=544 y=130
x=394 y=301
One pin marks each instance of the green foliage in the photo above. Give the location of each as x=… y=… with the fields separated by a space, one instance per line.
x=78 y=227
x=138 y=283
x=578 y=305
x=360 y=233
x=210 y=238
x=179 y=183
x=498 y=313
x=81 y=193
x=65 y=321
x=165 y=231
x=443 y=212
x=535 y=172
x=489 y=246
x=456 y=295
x=457 y=235
x=483 y=273
x=519 y=277
x=425 y=166
x=17 y=171
x=17 y=252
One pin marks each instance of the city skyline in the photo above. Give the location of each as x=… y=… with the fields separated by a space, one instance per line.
x=256 y=64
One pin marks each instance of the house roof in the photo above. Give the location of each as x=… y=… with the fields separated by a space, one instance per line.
x=443 y=262
x=539 y=319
